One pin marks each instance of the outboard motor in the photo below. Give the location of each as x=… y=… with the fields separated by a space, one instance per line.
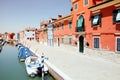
x=39 y=71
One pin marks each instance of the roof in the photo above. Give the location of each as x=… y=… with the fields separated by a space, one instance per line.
x=30 y=29
x=67 y=17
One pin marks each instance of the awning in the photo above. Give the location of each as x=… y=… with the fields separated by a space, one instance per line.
x=118 y=16
x=95 y=19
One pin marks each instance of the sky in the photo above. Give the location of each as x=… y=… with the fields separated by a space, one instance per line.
x=16 y=15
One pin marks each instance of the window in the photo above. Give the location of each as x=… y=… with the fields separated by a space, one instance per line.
x=118 y=44
x=62 y=40
x=70 y=40
x=80 y=24
x=85 y=2
x=116 y=15
x=62 y=26
x=96 y=42
x=70 y=25
x=58 y=27
x=96 y=20
x=54 y=29
x=75 y=6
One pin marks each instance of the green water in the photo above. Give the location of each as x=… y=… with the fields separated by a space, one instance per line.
x=11 y=68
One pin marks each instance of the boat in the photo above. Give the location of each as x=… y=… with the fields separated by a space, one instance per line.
x=19 y=45
x=34 y=66
x=24 y=52
x=2 y=43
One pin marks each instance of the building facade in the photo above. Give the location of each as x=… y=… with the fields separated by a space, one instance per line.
x=62 y=30
x=97 y=24
x=92 y=24
x=29 y=34
x=43 y=37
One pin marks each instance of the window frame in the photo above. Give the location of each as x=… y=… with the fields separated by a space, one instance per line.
x=75 y=6
x=99 y=20
x=70 y=24
x=62 y=26
x=85 y=4
x=115 y=12
x=116 y=44
x=96 y=44
x=63 y=40
x=70 y=40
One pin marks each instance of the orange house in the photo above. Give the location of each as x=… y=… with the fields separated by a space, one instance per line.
x=63 y=30
x=22 y=36
x=43 y=32
x=97 y=24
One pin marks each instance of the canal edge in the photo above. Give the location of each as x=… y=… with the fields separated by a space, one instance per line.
x=54 y=71
x=58 y=74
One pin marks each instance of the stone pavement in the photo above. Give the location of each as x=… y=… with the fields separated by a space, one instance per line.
x=77 y=66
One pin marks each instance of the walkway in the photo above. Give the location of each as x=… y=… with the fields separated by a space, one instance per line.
x=77 y=66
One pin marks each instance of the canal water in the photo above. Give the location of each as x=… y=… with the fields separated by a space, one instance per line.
x=11 y=68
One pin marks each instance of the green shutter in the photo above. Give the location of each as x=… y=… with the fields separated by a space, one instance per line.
x=80 y=22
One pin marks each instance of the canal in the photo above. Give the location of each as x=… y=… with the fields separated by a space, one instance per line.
x=11 y=68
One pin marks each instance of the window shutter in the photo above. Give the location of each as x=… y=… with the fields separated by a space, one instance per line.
x=118 y=15
x=100 y=18
x=77 y=23
x=80 y=22
x=92 y=17
x=118 y=44
x=96 y=42
x=114 y=16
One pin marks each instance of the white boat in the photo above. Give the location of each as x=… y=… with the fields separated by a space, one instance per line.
x=34 y=67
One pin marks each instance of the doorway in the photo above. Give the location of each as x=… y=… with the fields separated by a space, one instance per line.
x=81 y=44
x=58 y=42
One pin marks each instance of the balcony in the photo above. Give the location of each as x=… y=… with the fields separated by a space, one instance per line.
x=79 y=29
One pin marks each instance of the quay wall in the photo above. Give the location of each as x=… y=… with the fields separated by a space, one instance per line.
x=54 y=71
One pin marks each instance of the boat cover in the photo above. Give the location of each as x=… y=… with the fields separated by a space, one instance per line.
x=24 y=52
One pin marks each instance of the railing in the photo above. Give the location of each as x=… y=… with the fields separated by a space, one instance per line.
x=79 y=29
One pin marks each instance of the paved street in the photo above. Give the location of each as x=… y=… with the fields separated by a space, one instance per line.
x=77 y=66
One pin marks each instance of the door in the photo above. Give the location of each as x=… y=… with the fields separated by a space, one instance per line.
x=81 y=44
x=58 y=42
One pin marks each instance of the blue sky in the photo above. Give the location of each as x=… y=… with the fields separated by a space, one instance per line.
x=15 y=15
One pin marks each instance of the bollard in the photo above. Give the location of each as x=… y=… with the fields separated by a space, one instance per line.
x=42 y=63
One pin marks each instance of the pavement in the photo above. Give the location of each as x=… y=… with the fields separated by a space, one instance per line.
x=75 y=65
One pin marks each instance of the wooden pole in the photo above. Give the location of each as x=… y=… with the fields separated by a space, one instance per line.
x=42 y=63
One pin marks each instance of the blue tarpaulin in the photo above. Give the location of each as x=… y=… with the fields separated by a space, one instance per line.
x=24 y=52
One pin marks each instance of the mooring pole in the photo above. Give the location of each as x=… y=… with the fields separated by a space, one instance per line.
x=42 y=63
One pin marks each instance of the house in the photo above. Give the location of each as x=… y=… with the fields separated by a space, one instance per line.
x=29 y=34
x=97 y=24
x=43 y=37
x=63 y=30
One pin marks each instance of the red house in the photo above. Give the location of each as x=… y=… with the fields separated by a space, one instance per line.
x=62 y=30
x=43 y=32
x=97 y=24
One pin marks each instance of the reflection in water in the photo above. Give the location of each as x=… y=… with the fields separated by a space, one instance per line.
x=0 y=49
x=11 y=43
x=11 y=68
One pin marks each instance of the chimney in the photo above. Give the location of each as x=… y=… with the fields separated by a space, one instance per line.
x=59 y=16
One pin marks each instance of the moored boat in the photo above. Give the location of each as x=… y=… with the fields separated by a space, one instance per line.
x=24 y=52
x=34 y=66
